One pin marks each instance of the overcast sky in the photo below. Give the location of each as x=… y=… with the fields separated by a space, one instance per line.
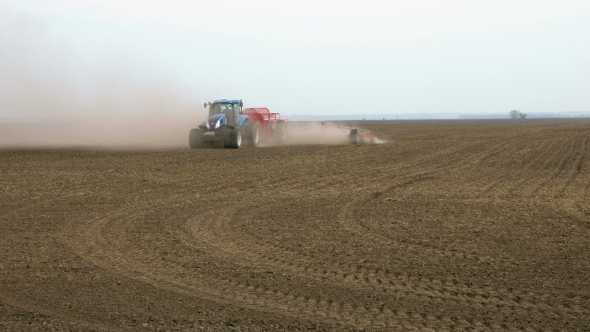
x=301 y=56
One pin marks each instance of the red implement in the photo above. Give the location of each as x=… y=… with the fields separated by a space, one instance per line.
x=270 y=125
x=356 y=135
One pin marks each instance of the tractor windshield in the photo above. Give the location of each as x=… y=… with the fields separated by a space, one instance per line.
x=227 y=109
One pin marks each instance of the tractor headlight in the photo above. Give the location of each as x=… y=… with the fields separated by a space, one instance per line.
x=207 y=125
x=217 y=123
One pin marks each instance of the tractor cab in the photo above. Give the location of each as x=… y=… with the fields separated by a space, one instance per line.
x=232 y=109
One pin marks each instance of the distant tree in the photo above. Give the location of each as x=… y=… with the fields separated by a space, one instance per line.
x=515 y=114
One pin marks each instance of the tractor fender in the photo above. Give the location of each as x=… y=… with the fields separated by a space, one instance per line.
x=242 y=120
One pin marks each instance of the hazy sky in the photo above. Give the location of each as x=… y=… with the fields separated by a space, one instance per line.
x=299 y=57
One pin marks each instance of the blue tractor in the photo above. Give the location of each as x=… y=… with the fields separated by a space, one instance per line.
x=226 y=127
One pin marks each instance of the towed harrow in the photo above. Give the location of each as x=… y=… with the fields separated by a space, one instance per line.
x=355 y=135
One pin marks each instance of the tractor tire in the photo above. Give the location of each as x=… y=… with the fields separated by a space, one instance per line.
x=195 y=138
x=251 y=134
x=354 y=136
x=232 y=138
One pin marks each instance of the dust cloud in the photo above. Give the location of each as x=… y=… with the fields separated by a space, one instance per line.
x=314 y=133
x=130 y=116
x=139 y=130
x=50 y=96
x=133 y=117
x=89 y=134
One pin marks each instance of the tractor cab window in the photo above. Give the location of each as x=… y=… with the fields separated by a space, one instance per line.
x=215 y=109
x=236 y=109
x=231 y=110
x=227 y=109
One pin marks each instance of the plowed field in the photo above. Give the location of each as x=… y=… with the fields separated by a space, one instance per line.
x=449 y=225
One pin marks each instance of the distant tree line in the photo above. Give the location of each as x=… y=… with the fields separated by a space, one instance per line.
x=517 y=114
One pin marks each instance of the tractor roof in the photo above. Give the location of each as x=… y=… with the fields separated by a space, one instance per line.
x=226 y=101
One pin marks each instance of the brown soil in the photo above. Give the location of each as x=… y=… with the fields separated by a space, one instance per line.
x=466 y=225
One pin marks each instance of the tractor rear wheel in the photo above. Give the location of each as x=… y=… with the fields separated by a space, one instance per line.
x=354 y=136
x=251 y=134
x=195 y=138
x=232 y=138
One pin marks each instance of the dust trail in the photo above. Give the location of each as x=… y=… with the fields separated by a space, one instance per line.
x=379 y=140
x=308 y=133
x=89 y=134
x=315 y=133
x=52 y=97
x=108 y=128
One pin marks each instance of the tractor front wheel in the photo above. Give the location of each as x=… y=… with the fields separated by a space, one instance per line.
x=232 y=138
x=195 y=138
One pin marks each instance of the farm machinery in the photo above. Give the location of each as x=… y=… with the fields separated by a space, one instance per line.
x=229 y=125
x=355 y=135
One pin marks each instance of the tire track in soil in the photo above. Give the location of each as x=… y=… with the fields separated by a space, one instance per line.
x=484 y=151
x=554 y=173
x=502 y=300
x=541 y=301
x=578 y=164
x=575 y=211
x=503 y=295
x=549 y=148
x=258 y=297
x=414 y=177
x=514 y=144
x=215 y=235
x=411 y=177
x=425 y=175
x=496 y=146
x=296 y=183
x=523 y=174
x=36 y=306
x=32 y=306
x=40 y=202
x=92 y=244
x=89 y=242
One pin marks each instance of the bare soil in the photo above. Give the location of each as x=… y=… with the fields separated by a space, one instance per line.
x=450 y=225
